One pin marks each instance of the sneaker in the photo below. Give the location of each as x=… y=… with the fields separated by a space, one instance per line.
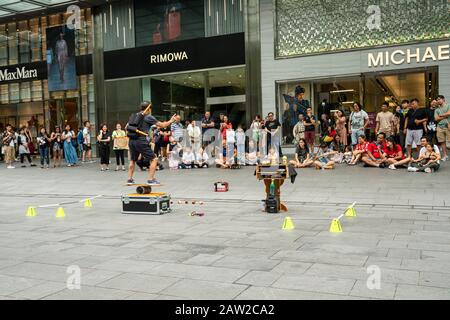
x=123 y=169
x=412 y=169
x=42 y=167
x=102 y=169
x=382 y=165
x=130 y=181
x=153 y=182
x=445 y=158
x=33 y=165
x=392 y=167
x=428 y=170
x=10 y=167
x=117 y=169
x=23 y=166
x=107 y=169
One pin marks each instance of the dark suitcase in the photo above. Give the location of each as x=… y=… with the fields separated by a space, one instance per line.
x=272 y=205
x=152 y=204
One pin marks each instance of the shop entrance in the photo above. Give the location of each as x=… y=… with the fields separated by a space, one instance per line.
x=64 y=112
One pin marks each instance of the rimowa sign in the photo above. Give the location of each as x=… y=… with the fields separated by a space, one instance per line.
x=178 y=56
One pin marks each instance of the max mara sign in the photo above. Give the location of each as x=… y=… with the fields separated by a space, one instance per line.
x=408 y=56
x=19 y=73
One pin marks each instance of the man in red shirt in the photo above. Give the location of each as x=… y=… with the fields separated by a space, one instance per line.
x=394 y=154
x=375 y=156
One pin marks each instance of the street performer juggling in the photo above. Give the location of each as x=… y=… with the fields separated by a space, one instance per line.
x=137 y=128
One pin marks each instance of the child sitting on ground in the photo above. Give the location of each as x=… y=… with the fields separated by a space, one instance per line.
x=173 y=149
x=427 y=158
x=251 y=158
x=221 y=160
x=348 y=155
x=201 y=159
x=188 y=159
x=322 y=158
x=272 y=157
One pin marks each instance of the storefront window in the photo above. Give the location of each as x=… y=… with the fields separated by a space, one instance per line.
x=317 y=26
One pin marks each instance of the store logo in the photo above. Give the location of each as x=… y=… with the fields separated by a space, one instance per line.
x=409 y=56
x=19 y=74
x=169 y=57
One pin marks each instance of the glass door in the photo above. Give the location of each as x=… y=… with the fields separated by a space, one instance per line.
x=64 y=112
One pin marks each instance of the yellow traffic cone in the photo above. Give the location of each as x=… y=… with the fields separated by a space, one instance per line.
x=288 y=224
x=88 y=203
x=31 y=212
x=60 y=213
x=350 y=212
x=335 y=226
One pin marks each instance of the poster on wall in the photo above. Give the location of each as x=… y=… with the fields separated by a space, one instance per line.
x=61 y=66
x=162 y=21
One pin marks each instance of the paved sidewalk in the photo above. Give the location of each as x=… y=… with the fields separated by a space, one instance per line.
x=235 y=251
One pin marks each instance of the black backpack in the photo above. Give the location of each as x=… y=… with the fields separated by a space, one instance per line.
x=134 y=124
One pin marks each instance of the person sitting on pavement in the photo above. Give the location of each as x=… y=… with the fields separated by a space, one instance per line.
x=339 y=147
x=395 y=156
x=201 y=159
x=425 y=160
x=188 y=159
x=433 y=165
x=272 y=157
x=322 y=160
x=302 y=155
x=360 y=150
x=374 y=157
x=251 y=157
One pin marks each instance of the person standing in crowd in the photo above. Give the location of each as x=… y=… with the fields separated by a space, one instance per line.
x=399 y=120
x=425 y=161
x=87 y=148
x=207 y=124
x=240 y=145
x=177 y=129
x=310 y=128
x=272 y=128
x=24 y=151
x=224 y=126
x=120 y=145
x=8 y=142
x=341 y=122
x=385 y=121
x=403 y=110
x=29 y=136
x=57 y=146
x=80 y=140
x=195 y=136
x=415 y=126
x=173 y=153
x=431 y=122
x=256 y=130
x=302 y=155
x=325 y=124
x=395 y=157
x=375 y=157
x=357 y=123
x=44 y=148
x=70 y=153
x=230 y=140
x=104 y=140
x=251 y=158
x=442 y=116
x=299 y=128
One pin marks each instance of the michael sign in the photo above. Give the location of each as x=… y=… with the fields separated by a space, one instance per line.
x=168 y=57
x=417 y=55
x=19 y=74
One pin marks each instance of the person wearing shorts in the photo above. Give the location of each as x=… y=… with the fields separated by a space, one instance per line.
x=415 y=126
x=310 y=128
x=357 y=123
x=141 y=145
x=442 y=115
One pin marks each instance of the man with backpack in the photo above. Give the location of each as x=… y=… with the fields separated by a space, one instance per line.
x=137 y=130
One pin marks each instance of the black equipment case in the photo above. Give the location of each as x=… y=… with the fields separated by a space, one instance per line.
x=152 y=203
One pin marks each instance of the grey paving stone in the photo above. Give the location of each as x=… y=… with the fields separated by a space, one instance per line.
x=139 y=282
x=385 y=292
x=40 y=291
x=291 y=268
x=265 y=293
x=90 y=293
x=128 y=265
x=13 y=284
x=164 y=255
x=435 y=279
x=259 y=278
x=97 y=276
x=142 y=296
x=209 y=273
x=316 y=284
x=37 y=271
x=250 y=262
x=321 y=257
x=404 y=253
x=205 y=290
x=410 y=292
x=203 y=259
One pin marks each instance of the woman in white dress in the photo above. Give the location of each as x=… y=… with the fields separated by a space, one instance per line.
x=62 y=53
